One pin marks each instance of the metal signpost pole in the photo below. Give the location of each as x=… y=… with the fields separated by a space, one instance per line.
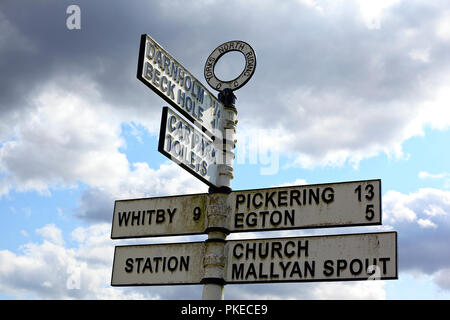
x=218 y=211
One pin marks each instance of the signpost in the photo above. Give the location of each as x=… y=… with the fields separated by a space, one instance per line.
x=198 y=134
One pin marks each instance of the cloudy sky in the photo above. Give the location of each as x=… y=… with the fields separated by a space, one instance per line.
x=343 y=91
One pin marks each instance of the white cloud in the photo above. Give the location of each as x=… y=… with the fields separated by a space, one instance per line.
x=442 y=278
x=422 y=55
x=426 y=175
x=297 y=182
x=49 y=270
x=422 y=220
x=71 y=138
x=51 y=233
x=65 y=139
x=312 y=4
x=372 y=11
x=423 y=204
x=336 y=94
x=426 y=223
x=443 y=26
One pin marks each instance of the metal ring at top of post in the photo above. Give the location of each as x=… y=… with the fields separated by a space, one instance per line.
x=246 y=74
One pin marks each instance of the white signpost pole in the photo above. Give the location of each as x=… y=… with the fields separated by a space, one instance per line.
x=218 y=210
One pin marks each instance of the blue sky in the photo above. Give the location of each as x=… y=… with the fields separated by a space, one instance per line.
x=343 y=91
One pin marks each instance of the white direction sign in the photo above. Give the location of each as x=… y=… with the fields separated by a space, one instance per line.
x=188 y=146
x=307 y=206
x=158 y=264
x=369 y=256
x=356 y=203
x=161 y=216
x=158 y=70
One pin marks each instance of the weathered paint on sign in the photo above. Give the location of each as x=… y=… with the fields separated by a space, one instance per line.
x=307 y=206
x=369 y=256
x=189 y=147
x=160 y=216
x=158 y=264
x=342 y=204
x=162 y=73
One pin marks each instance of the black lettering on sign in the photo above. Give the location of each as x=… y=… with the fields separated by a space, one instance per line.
x=273 y=270
x=157 y=264
x=237 y=271
x=257 y=203
x=197 y=213
x=129 y=265
x=276 y=247
x=251 y=271
x=269 y=198
x=275 y=218
x=328 y=268
x=314 y=196
x=263 y=219
x=239 y=220
x=294 y=195
x=250 y=248
x=240 y=198
x=369 y=192
x=235 y=250
x=146 y=217
x=284 y=198
x=356 y=267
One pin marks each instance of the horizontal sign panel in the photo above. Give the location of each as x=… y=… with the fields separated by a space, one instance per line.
x=370 y=256
x=158 y=264
x=158 y=70
x=161 y=216
x=189 y=147
x=356 y=203
x=307 y=206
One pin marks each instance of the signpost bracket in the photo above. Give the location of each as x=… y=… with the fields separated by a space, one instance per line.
x=227 y=97
x=222 y=189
